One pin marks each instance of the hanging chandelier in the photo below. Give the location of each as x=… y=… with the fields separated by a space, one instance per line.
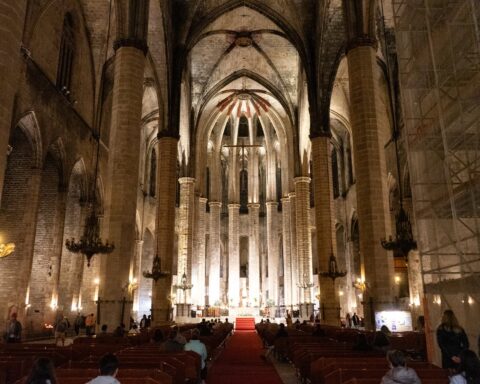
x=404 y=241
x=90 y=243
x=333 y=272
x=156 y=272
x=184 y=286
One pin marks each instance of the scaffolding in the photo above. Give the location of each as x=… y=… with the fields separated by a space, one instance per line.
x=438 y=45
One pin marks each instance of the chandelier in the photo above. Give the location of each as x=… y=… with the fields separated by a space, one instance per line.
x=404 y=241
x=333 y=272
x=90 y=243
x=156 y=272
x=184 y=286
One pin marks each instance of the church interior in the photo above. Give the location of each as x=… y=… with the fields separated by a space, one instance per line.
x=188 y=159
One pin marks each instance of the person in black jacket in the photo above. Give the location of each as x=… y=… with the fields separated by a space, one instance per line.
x=451 y=339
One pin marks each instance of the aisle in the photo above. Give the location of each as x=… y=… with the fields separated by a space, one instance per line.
x=240 y=362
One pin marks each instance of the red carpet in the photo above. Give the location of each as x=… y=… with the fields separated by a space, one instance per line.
x=245 y=323
x=240 y=363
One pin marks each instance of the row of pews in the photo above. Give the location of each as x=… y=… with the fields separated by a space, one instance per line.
x=140 y=360
x=332 y=359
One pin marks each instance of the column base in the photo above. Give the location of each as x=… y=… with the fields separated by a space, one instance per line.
x=182 y=310
x=162 y=316
x=330 y=315
x=306 y=310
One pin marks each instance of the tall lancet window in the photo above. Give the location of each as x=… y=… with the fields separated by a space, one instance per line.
x=243 y=191
x=66 y=55
x=336 y=189
x=153 y=173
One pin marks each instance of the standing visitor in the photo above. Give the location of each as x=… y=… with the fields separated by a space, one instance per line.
x=61 y=330
x=143 y=322
x=78 y=323
x=13 y=332
x=451 y=339
x=90 y=324
x=355 y=320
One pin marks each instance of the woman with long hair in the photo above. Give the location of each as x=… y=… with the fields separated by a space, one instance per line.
x=451 y=339
x=43 y=372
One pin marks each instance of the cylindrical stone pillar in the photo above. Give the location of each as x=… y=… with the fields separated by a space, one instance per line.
x=272 y=251
x=254 y=255
x=293 y=248
x=185 y=232
x=122 y=186
x=233 y=254
x=369 y=122
x=324 y=221
x=139 y=276
x=166 y=194
x=214 y=271
x=198 y=269
x=287 y=257
x=12 y=20
x=304 y=238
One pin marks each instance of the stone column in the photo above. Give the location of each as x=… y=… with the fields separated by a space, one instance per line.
x=368 y=121
x=214 y=272
x=272 y=251
x=12 y=20
x=287 y=256
x=139 y=274
x=185 y=233
x=304 y=238
x=122 y=185
x=324 y=221
x=293 y=248
x=233 y=254
x=198 y=269
x=254 y=255
x=166 y=194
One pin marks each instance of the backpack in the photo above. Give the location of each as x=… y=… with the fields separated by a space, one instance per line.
x=62 y=326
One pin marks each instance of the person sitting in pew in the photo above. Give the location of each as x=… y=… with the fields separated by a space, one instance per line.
x=108 y=370
x=381 y=339
x=399 y=373
x=198 y=347
x=362 y=343
x=318 y=331
x=43 y=372
x=171 y=344
x=468 y=369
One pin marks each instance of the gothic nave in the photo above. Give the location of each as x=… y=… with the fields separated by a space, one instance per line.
x=262 y=149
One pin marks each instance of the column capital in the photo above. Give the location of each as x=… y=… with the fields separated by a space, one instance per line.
x=361 y=41
x=186 y=180
x=165 y=134
x=271 y=204
x=320 y=134
x=133 y=42
x=253 y=205
x=302 y=179
x=215 y=204
x=139 y=241
x=233 y=206
x=202 y=200
x=285 y=199
x=292 y=195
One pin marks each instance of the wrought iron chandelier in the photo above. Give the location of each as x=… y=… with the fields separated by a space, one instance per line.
x=333 y=271
x=156 y=272
x=403 y=242
x=90 y=243
x=184 y=286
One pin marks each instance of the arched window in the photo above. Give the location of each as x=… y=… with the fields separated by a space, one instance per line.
x=66 y=55
x=350 y=166
x=153 y=173
x=207 y=183
x=336 y=189
x=243 y=191
x=243 y=127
